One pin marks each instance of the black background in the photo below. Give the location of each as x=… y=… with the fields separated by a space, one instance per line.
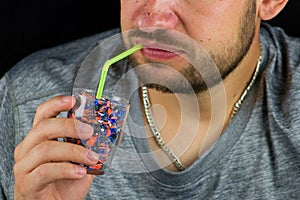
x=31 y=25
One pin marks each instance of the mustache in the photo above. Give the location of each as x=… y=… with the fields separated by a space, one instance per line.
x=161 y=36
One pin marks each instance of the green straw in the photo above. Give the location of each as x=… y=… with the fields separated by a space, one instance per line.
x=111 y=61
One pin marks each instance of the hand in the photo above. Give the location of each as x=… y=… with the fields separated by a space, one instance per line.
x=43 y=168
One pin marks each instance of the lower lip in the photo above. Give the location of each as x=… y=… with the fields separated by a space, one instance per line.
x=158 y=54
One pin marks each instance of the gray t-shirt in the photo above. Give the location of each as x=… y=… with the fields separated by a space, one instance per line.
x=257 y=156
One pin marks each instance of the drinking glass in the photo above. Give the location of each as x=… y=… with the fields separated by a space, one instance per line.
x=107 y=116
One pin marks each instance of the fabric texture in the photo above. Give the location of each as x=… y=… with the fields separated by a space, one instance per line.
x=257 y=156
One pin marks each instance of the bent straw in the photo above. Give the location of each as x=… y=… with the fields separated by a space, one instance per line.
x=111 y=61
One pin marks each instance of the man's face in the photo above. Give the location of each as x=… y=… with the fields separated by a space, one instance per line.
x=178 y=35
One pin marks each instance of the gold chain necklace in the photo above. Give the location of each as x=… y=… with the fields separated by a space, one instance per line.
x=238 y=104
x=156 y=132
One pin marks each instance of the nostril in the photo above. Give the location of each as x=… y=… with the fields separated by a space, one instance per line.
x=158 y=18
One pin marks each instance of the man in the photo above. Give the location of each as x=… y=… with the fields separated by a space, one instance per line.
x=230 y=135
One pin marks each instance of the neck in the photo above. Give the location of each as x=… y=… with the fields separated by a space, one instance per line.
x=204 y=116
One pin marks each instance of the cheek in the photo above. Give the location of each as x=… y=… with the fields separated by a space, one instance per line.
x=215 y=25
x=129 y=9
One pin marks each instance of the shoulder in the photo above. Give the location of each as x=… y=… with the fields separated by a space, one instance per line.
x=282 y=55
x=282 y=76
x=280 y=46
x=51 y=69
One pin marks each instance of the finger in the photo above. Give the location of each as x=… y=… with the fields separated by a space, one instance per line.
x=54 y=151
x=53 y=107
x=48 y=173
x=52 y=128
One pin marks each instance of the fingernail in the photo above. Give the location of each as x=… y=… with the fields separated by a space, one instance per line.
x=80 y=170
x=85 y=128
x=92 y=156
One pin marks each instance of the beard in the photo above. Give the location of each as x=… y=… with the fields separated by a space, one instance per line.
x=202 y=70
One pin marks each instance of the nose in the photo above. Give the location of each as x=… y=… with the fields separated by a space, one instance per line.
x=158 y=16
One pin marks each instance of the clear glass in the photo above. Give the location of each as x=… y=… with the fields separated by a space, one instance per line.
x=107 y=116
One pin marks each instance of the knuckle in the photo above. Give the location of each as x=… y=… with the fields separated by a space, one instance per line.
x=69 y=124
x=16 y=169
x=43 y=148
x=42 y=172
x=39 y=125
x=40 y=108
x=66 y=170
x=70 y=127
x=76 y=149
x=78 y=153
x=17 y=151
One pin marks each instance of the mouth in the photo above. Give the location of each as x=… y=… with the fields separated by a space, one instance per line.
x=157 y=51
